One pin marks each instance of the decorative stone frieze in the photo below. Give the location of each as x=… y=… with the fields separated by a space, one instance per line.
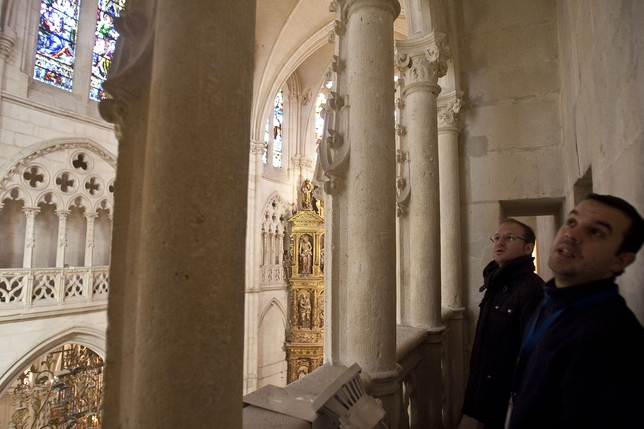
x=301 y=161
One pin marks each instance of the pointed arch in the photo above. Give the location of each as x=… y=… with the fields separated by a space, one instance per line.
x=273 y=303
x=92 y=338
x=271 y=359
x=275 y=211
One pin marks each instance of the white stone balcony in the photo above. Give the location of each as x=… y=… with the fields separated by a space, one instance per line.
x=36 y=292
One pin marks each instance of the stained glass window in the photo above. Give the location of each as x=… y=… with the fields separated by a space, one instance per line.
x=104 y=44
x=278 y=120
x=56 y=49
x=319 y=120
x=266 y=138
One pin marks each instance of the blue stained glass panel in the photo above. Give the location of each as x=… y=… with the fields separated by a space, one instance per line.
x=278 y=120
x=266 y=135
x=56 y=48
x=104 y=44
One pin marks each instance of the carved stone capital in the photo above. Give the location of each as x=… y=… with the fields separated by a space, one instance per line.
x=422 y=60
x=30 y=212
x=449 y=107
x=302 y=161
x=392 y=6
x=256 y=147
x=7 y=40
x=90 y=216
x=62 y=214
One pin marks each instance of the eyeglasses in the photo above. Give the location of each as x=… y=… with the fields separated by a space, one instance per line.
x=507 y=238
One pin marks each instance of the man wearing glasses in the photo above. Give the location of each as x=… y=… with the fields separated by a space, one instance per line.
x=512 y=293
x=581 y=364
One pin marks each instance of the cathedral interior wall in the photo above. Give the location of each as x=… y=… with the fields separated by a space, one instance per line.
x=553 y=93
x=511 y=145
x=602 y=101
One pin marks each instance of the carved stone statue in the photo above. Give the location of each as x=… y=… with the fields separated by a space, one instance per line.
x=287 y=263
x=304 y=309
x=306 y=255
x=307 y=189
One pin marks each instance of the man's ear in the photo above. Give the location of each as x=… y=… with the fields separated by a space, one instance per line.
x=622 y=261
x=528 y=248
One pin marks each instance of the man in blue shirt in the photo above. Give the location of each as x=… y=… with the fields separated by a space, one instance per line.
x=581 y=364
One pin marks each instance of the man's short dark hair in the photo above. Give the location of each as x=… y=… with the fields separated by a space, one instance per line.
x=634 y=235
x=528 y=233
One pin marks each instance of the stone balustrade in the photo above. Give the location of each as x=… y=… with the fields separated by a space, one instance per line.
x=31 y=292
x=413 y=347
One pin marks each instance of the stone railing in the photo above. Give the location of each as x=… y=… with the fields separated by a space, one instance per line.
x=429 y=379
x=31 y=292
x=290 y=407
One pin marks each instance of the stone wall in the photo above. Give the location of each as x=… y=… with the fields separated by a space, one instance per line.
x=511 y=146
x=602 y=99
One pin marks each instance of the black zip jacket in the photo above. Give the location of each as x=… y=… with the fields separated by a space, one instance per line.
x=587 y=370
x=512 y=294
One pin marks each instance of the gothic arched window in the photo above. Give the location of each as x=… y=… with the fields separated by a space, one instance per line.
x=319 y=120
x=273 y=137
x=56 y=49
x=57 y=41
x=104 y=44
x=278 y=121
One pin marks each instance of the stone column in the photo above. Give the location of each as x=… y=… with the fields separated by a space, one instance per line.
x=7 y=40
x=276 y=247
x=254 y=242
x=450 y=204
x=358 y=157
x=30 y=236
x=422 y=61
x=62 y=237
x=280 y=248
x=89 y=238
x=187 y=360
x=264 y=248
x=449 y=127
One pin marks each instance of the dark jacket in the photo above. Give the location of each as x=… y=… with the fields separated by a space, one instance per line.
x=587 y=370
x=512 y=293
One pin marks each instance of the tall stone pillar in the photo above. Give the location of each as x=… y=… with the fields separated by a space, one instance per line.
x=89 y=239
x=187 y=267
x=422 y=61
x=62 y=237
x=358 y=157
x=255 y=241
x=450 y=204
x=30 y=236
x=449 y=127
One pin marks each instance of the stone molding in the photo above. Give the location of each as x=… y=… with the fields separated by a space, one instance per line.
x=7 y=42
x=302 y=161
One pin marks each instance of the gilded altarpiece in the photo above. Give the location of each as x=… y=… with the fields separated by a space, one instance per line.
x=305 y=334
